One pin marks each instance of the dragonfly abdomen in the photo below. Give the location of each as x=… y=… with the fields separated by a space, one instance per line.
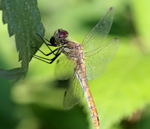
x=75 y=52
x=81 y=75
x=92 y=107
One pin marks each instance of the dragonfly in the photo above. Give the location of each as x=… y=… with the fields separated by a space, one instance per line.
x=85 y=60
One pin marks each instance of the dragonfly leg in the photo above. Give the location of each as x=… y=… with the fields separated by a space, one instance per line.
x=46 y=60
x=49 y=61
x=47 y=44
x=52 y=52
x=43 y=39
x=42 y=59
x=53 y=59
x=57 y=55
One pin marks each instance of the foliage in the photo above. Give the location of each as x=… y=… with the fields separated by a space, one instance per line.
x=23 y=20
x=119 y=93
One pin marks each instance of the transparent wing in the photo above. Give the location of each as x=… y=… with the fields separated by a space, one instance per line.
x=73 y=94
x=95 y=39
x=64 y=68
x=97 y=60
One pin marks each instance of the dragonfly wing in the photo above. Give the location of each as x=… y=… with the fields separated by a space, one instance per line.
x=97 y=60
x=64 y=68
x=98 y=33
x=73 y=94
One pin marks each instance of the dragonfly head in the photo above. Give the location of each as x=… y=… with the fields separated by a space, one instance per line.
x=59 y=37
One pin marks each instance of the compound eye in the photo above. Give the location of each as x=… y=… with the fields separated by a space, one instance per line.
x=63 y=33
x=52 y=40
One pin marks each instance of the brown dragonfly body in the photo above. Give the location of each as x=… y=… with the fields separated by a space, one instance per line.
x=74 y=51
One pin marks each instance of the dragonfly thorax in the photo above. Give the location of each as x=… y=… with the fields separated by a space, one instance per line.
x=73 y=50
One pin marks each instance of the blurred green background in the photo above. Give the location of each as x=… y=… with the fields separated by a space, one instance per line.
x=121 y=94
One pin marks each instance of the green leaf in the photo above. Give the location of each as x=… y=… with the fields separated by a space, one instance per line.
x=0 y=5
x=23 y=19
